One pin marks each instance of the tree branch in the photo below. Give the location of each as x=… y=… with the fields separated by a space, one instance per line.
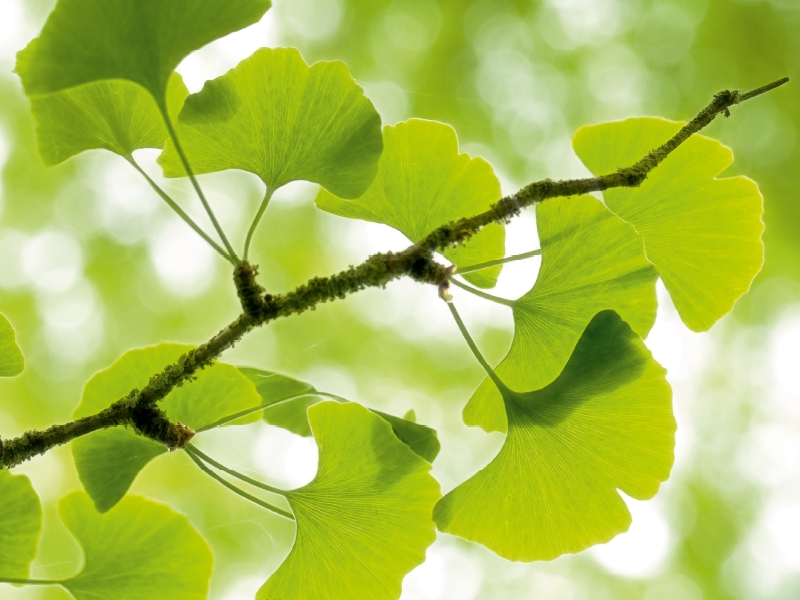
x=139 y=410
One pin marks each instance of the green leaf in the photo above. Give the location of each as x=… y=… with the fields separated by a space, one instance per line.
x=12 y=363
x=276 y=388
x=604 y=425
x=591 y=261
x=139 y=549
x=275 y=116
x=422 y=183
x=143 y=41
x=20 y=525
x=291 y=415
x=703 y=234
x=365 y=520
x=114 y=115
x=108 y=461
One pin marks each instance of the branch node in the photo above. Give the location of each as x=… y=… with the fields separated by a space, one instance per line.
x=249 y=291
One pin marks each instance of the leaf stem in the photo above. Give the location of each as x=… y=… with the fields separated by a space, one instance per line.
x=180 y=212
x=254 y=482
x=484 y=295
x=265 y=405
x=477 y=353
x=256 y=220
x=494 y=263
x=196 y=184
x=279 y=511
x=14 y=581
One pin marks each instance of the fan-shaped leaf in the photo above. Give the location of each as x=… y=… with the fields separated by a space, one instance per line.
x=703 y=234
x=605 y=424
x=422 y=183
x=591 y=261
x=275 y=116
x=108 y=461
x=115 y=115
x=139 y=549
x=12 y=363
x=143 y=41
x=20 y=525
x=293 y=397
x=365 y=520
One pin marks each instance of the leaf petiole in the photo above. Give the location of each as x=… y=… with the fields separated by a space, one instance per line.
x=248 y=411
x=254 y=482
x=13 y=581
x=178 y=210
x=494 y=263
x=257 y=220
x=191 y=452
x=484 y=295
x=477 y=353
x=196 y=184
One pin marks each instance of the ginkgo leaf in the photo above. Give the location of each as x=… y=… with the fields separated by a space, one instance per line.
x=20 y=525
x=591 y=261
x=139 y=549
x=604 y=425
x=364 y=522
x=292 y=398
x=115 y=115
x=108 y=461
x=423 y=182
x=12 y=363
x=702 y=234
x=143 y=41
x=275 y=116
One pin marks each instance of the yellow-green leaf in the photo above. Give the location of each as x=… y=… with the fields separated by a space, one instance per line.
x=20 y=525
x=422 y=183
x=275 y=116
x=364 y=522
x=604 y=425
x=703 y=234
x=12 y=363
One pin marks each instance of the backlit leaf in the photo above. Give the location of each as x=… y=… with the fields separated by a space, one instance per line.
x=275 y=116
x=139 y=549
x=591 y=261
x=143 y=41
x=12 y=363
x=604 y=425
x=291 y=414
x=702 y=234
x=115 y=115
x=364 y=522
x=108 y=461
x=422 y=183
x=20 y=525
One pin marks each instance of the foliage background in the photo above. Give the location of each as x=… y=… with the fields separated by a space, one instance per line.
x=92 y=265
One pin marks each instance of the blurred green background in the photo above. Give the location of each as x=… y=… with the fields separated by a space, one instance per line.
x=91 y=264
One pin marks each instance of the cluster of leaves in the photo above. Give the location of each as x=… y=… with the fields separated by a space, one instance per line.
x=586 y=408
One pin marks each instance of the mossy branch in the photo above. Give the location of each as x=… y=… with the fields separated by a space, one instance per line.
x=139 y=408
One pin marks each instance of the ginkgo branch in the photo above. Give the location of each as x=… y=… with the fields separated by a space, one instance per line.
x=416 y=262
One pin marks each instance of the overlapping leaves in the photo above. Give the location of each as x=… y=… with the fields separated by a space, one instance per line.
x=591 y=261
x=287 y=401
x=604 y=424
x=12 y=363
x=423 y=182
x=364 y=522
x=114 y=115
x=109 y=460
x=275 y=116
x=702 y=234
x=143 y=41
